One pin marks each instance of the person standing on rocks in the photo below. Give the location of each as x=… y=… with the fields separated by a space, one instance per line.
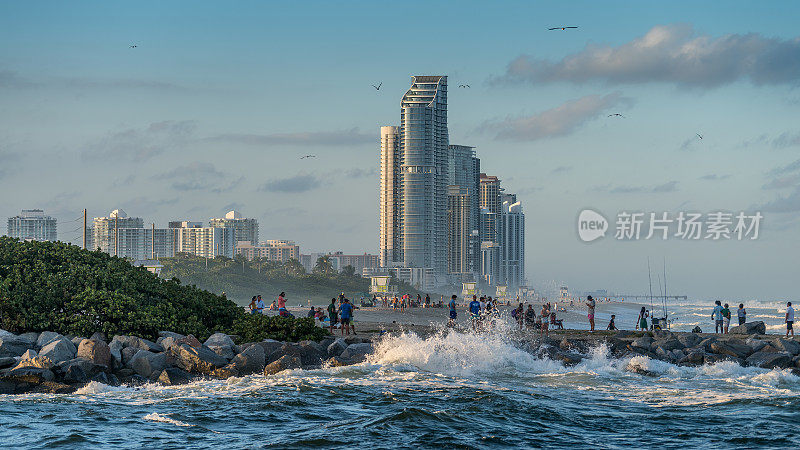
x=545 y=315
x=641 y=321
x=789 y=319
x=716 y=316
x=475 y=312
x=453 y=313
x=611 y=325
x=726 y=318
x=346 y=314
x=333 y=314
x=590 y=305
x=741 y=314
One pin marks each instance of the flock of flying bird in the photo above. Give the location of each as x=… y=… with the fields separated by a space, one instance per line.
x=466 y=86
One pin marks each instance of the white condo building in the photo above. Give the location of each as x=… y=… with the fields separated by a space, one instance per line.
x=33 y=224
x=244 y=229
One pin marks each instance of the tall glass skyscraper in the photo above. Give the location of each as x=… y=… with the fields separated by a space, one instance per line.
x=424 y=140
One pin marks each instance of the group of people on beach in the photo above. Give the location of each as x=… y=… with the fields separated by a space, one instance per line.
x=257 y=306
x=721 y=315
x=407 y=301
x=342 y=315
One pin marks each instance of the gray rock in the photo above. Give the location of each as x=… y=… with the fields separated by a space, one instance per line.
x=106 y=378
x=31 y=337
x=788 y=346
x=796 y=361
x=128 y=353
x=770 y=360
x=7 y=361
x=175 y=336
x=325 y=342
x=47 y=337
x=91 y=369
x=224 y=351
x=309 y=355
x=693 y=358
x=77 y=341
x=756 y=344
x=41 y=362
x=34 y=375
x=96 y=351
x=172 y=376
x=75 y=374
x=11 y=345
x=270 y=345
x=642 y=342
x=251 y=360
x=749 y=328
x=29 y=354
x=219 y=340
x=197 y=360
x=285 y=362
x=676 y=355
x=732 y=347
x=135 y=342
x=670 y=344
x=336 y=348
x=99 y=336
x=566 y=358
x=59 y=350
x=355 y=350
x=715 y=358
x=145 y=363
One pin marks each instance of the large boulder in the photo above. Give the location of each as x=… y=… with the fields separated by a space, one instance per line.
x=59 y=350
x=337 y=347
x=756 y=344
x=99 y=336
x=47 y=337
x=77 y=341
x=668 y=344
x=96 y=351
x=128 y=353
x=770 y=360
x=146 y=363
x=642 y=343
x=31 y=337
x=163 y=334
x=75 y=374
x=135 y=342
x=224 y=351
x=173 y=376
x=12 y=345
x=251 y=360
x=29 y=354
x=34 y=375
x=788 y=346
x=732 y=347
x=270 y=346
x=7 y=361
x=189 y=340
x=197 y=360
x=693 y=358
x=309 y=354
x=219 y=340
x=89 y=368
x=285 y=362
x=355 y=351
x=40 y=362
x=749 y=328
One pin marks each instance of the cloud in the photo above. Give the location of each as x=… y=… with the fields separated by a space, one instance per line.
x=144 y=206
x=673 y=54
x=562 y=169
x=714 y=177
x=233 y=206
x=292 y=185
x=312 y=138
x=782 y=182
x=783 y=204
x=559 y=121
x=140 y=144
x=200 y=176
x=791 y=167
x=670 y=186
x=786 y=140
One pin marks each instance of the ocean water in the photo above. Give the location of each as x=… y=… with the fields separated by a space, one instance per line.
x=454 y=389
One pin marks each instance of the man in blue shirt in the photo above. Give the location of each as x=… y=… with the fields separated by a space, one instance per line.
x=346 y=315
x=475 y=311
x=453 y=313
x=716 y=315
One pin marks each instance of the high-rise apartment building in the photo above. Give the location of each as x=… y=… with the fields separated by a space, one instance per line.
x=420 y=168
x=389 y=201
x=459 y=232
x=244 y=229
x=512 y=249
x=106 y=235
x=464 y=173
x=33 y=224
x=206 y=242
x=271 y=250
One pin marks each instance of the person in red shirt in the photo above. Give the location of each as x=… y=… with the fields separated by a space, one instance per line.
x=282 y=305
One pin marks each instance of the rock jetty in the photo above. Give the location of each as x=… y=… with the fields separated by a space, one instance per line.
x=48 y=362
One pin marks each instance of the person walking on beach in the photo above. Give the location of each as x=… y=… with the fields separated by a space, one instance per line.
x=453 y=313
x=716 y=316
x=641 y=322
x=742 y=314
x=789 y=319
x=726 y=318
x=333 y=315
x=590 y=305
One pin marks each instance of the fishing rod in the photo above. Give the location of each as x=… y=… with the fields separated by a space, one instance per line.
x=650 y=280
x=665 y=292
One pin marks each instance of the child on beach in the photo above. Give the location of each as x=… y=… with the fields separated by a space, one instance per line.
x=611 y=325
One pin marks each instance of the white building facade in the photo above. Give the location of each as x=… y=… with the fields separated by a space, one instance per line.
x=33 y=224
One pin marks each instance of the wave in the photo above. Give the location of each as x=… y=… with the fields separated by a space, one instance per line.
x=156 y=417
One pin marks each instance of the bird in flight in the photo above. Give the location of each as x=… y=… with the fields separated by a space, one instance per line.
x=560 y=28
x=616 y=114
x=308 y=156
x=699 y=135
x=133 y=46
x=463 y=86
x=378 y=87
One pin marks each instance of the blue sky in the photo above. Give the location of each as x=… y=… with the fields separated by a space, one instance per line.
x=218 y=101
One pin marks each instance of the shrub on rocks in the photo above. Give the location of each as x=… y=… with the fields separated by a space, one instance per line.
x=252 y=328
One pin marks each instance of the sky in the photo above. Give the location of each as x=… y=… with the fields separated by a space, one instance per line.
x=215 y=105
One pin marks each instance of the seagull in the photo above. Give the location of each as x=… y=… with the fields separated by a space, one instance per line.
x=700 y=136
x=463 y=86
x=560 y=28
x=616 y=114
x=308 y=156
x=378 y=87
x=133 y=46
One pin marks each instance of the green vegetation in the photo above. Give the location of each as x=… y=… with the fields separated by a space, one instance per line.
x=254 y=328
x=52 y=286
x=240 y=279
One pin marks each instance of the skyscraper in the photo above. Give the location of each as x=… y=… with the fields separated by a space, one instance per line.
x=512 y=250
x=414 y=168
x=464 y=181
x=424 y=141
x=107 y=237
x=389 y=202
x=244 y=229
x=32 y=224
